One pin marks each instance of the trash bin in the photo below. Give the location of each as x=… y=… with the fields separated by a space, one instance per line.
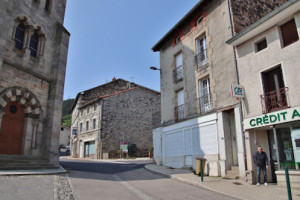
x=198 y=161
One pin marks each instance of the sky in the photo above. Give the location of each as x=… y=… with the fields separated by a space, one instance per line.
x=113 y=38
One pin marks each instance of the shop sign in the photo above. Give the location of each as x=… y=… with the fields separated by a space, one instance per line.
x=124 y=147
x=237 y=91
x=282 y=116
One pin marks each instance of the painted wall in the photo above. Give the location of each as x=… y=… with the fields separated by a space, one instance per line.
x=178 y=145
x=64 y=136
x=220 y=68
x=251 y=64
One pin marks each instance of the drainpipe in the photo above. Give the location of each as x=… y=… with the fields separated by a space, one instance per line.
x=238 y=82
x=100 y=156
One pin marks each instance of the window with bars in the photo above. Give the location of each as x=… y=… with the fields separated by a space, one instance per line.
x=201 y=55
x=19 y=36
x=205 y=100
x=178 y=72
x=179 y=109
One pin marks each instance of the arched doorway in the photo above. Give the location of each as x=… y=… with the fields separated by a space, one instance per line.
x=11 y=132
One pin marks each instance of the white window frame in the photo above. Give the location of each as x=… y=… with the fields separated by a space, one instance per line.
x=201 y=51
x=180 y=105
x=179 y=66
x=205 y=97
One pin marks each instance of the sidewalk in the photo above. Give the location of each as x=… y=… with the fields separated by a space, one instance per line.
x=235 y=188
x=60 y=170
x=47 y=184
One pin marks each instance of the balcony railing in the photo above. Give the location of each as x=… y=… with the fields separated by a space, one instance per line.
x=202 y=58
x=275 y=100
x=178 y=73
x=205 y=103
x=179 y=112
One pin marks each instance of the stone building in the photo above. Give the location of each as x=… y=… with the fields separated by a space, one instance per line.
x=200 y=117
x=268 y=65
x=116 y=112
x=33 y=57
x=64 y=139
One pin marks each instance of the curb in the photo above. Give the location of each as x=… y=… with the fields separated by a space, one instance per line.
x=193 y=183
x=179 y=179
x=60 y=170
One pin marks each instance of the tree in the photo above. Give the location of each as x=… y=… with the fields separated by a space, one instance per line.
x=67 y=112
x=132 y=150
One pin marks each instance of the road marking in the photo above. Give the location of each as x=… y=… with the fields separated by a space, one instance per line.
x=138 y=193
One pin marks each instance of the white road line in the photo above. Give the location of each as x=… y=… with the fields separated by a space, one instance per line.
x=138 y=193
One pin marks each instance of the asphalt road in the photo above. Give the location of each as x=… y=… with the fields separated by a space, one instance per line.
x=128 y=180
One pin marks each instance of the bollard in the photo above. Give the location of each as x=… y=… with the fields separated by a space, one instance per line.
x=201 y=169
x=288 y=183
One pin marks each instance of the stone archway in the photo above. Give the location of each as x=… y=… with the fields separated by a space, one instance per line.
x=29 y=103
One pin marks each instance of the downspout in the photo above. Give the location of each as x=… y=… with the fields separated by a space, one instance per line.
x=238 y=82
x=99 y=131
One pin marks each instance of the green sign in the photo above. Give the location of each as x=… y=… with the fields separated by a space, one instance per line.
x=123 y=145
x=283 y=116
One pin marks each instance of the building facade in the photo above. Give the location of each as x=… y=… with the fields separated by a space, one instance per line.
x=64 y=139
x=114 y=113
x=268 y=64
x=200 y=117
x=33 y=56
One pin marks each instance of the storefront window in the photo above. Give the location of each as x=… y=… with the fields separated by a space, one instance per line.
x=288 y=148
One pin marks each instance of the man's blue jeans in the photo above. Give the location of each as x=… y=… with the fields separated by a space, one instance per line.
x=258 y=169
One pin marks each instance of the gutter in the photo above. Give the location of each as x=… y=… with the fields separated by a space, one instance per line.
x=238 y=82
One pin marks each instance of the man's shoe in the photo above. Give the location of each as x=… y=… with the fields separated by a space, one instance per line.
x=266 y=183
x=258 y=184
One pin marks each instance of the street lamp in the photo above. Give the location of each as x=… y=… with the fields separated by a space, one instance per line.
x=155 y=68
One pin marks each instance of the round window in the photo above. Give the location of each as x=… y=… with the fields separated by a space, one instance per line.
x=178 y=39
x=199 y=21
x=13 y=109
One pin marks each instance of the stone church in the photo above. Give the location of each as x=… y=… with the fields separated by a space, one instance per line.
x=33 y=56
x=116 y=112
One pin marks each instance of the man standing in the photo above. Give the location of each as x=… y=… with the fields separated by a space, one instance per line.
x=261 y=161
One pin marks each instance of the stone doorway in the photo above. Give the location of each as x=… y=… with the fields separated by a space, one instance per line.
x=11 y=132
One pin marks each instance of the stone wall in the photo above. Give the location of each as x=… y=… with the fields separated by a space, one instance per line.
x=132 y=114
x=106 y=89
x=246 y=13
x=42 y=76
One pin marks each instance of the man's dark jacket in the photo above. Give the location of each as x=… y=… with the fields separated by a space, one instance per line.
x=261 y=159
